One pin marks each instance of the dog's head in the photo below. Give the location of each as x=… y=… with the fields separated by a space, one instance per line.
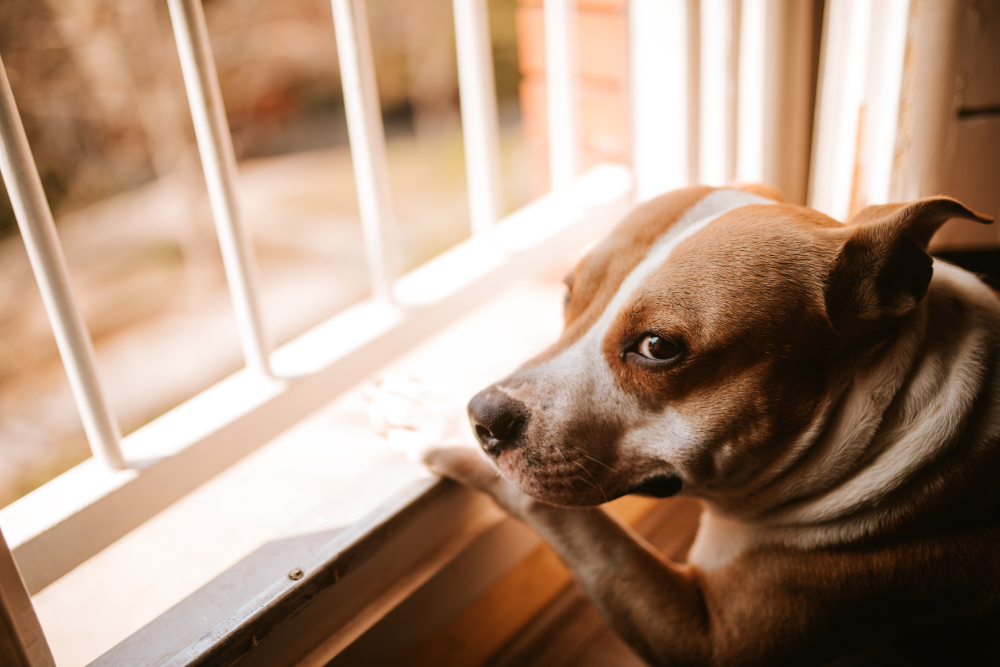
x=701 y=337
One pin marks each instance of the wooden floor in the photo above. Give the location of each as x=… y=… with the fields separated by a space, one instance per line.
x=571 y=633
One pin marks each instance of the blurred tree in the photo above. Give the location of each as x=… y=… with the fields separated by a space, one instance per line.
x=100 y=92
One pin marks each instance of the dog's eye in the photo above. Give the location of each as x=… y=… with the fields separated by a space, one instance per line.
x=654 y=347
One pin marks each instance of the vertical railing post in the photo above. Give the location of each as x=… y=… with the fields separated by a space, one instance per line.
x=883 y=91
x=716 y=143
x=480 y=129
x=840 y=102
x=22 y=642
x=17 y=165
x=215 y=144
x=367 y=137
x=926 y=123
x=751 y=128
x=562 y=83
x=658 y=66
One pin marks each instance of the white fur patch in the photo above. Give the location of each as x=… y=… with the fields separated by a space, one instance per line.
x=931 y=386
x=695 y=219
x=579 y=378
x=895 y=421
x=719 y=540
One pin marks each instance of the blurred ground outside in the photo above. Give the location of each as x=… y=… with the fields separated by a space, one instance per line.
x=145 y=266
x=98 y=86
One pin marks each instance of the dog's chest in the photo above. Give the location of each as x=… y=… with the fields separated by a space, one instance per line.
x=720 y=540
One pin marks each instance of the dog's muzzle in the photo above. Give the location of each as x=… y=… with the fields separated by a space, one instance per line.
x=498 y=420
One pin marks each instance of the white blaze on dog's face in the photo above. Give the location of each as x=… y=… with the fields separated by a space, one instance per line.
x=697 y=352
x=676 y=327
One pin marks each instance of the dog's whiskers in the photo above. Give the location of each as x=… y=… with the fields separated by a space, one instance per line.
x=595 y=460
x=596 y=484
x=589 y=483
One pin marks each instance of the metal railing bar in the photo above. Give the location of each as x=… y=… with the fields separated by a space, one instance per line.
x=367 y=137
x=885 y=78
x=844 y=60
x=17 y=165
x=658 y=63
x=693 y=89
x=715 y=157
x=851 y=124
x=561 y=82
x=818 y=195
x=750 y=112
x=480 y=128
x=22 y=642
x=73 y=517
x=218 y=161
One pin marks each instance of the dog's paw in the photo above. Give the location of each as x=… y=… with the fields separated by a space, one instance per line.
x=424 y=424
x=416 y=417
x=471 y=467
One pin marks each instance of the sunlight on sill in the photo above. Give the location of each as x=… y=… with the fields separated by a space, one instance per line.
x=325 y=473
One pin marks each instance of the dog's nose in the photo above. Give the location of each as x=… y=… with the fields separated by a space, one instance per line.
x=498 y=420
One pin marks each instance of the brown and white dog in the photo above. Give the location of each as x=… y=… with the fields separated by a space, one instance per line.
x=830 y=394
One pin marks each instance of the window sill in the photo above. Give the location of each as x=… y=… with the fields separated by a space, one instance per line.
x=315 y=499
x=243 y=465
x=57 y=527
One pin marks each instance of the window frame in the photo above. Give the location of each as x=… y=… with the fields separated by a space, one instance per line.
x=73 y=517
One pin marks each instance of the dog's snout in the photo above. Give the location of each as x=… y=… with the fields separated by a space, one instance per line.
x=498 y=420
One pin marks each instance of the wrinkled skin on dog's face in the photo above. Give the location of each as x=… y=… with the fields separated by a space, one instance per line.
x=696 y=352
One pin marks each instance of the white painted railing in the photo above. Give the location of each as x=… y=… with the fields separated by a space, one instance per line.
x=73 y=517
x=215 y=144
x=717 y=85
x=661 y=74
x=561 y=76
x=39 y=233
x=22 y=642
x=858 y=110
x=705 y=89
x=480 y=128
x=364 y=126
x=717 y=98
x=751 y=81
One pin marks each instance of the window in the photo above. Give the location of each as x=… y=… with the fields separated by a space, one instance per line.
x=725 y=92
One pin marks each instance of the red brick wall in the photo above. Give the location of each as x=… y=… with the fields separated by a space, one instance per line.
x=602 y=27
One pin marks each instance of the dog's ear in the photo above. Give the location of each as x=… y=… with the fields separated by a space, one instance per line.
x=883 y=269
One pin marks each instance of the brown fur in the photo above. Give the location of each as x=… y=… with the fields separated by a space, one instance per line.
x=598 y=276
x=776 y=308
x=739 y=345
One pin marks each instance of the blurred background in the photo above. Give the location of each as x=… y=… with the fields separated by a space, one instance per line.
x=99 y=89
x=100 y=92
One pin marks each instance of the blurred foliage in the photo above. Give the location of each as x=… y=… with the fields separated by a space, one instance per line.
x=100 y=92
x=503 y=34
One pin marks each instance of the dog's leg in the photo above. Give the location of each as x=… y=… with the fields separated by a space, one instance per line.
x=773 y=605
x=654 y=605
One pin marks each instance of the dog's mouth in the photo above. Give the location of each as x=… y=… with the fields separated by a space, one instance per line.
x=559 y=486
x=660 y=486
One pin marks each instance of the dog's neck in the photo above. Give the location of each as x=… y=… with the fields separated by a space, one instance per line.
x=884 y=438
